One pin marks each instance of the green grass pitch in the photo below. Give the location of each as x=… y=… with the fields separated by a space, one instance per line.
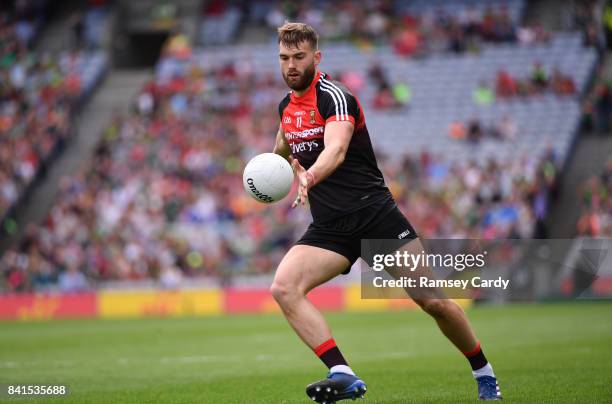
x=542 y=353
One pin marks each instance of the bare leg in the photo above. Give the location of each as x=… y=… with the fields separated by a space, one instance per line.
x=302 y=269
x=453 y=323
x=449 y=316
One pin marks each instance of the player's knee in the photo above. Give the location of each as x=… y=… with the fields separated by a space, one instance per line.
x=283 y=292
x=434 y=307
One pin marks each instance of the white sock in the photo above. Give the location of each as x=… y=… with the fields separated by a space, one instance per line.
x=486 y=370
x=341 y=369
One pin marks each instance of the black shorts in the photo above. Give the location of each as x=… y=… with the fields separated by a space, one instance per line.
x=379 y=220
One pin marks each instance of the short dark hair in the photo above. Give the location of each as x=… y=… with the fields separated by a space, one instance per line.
x=291 y=34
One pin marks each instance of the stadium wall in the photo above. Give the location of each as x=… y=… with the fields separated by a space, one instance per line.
x=180 y=303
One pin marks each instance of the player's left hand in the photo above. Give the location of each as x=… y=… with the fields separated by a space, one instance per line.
x=305 y=181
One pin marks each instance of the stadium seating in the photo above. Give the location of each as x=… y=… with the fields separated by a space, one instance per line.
x=219 y=23
x=442 y=86
x=515 y=8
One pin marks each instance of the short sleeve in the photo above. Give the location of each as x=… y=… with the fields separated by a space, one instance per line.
x=337 y=104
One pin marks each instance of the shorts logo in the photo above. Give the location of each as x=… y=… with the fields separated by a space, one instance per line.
x=403 y=234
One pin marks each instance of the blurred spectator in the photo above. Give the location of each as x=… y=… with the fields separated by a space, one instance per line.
x=474 y=131
x=353 y=80
x=562 y=84
x=72 y=280
x=538 y=77
x=384 y=99
x=532 y=34
x=387 y=96
x=170 y=277
x=505 y=85
x=94 y=20
x=457 y=130
x=177 y=46
x=601 y=98
x=402 y=94
x=457 y=39
x=377 y=75
x=220 y=22
x=506 y=128
x=597 y=104
x=596 y=212
x=77 y=28
x=482 y=94
x=406 y=42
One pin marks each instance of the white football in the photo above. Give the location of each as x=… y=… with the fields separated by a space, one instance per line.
x=268 y=177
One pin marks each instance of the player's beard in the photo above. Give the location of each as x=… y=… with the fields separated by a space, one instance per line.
x=303 y=81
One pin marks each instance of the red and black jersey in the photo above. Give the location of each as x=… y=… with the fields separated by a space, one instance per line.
x=357 y=182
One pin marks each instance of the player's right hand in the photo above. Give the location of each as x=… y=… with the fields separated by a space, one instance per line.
x=303 y=183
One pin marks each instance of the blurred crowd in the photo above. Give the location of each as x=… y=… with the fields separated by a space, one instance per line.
x=502 y=199
x=162 y=198
x=539 y=81
x=412 y=32
x=163 y=194
x=593 y=18
x=87 y=25
x=506 y=128
x=596 y=200
x=21 y=21
x=37 y=92
x=373 y=23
